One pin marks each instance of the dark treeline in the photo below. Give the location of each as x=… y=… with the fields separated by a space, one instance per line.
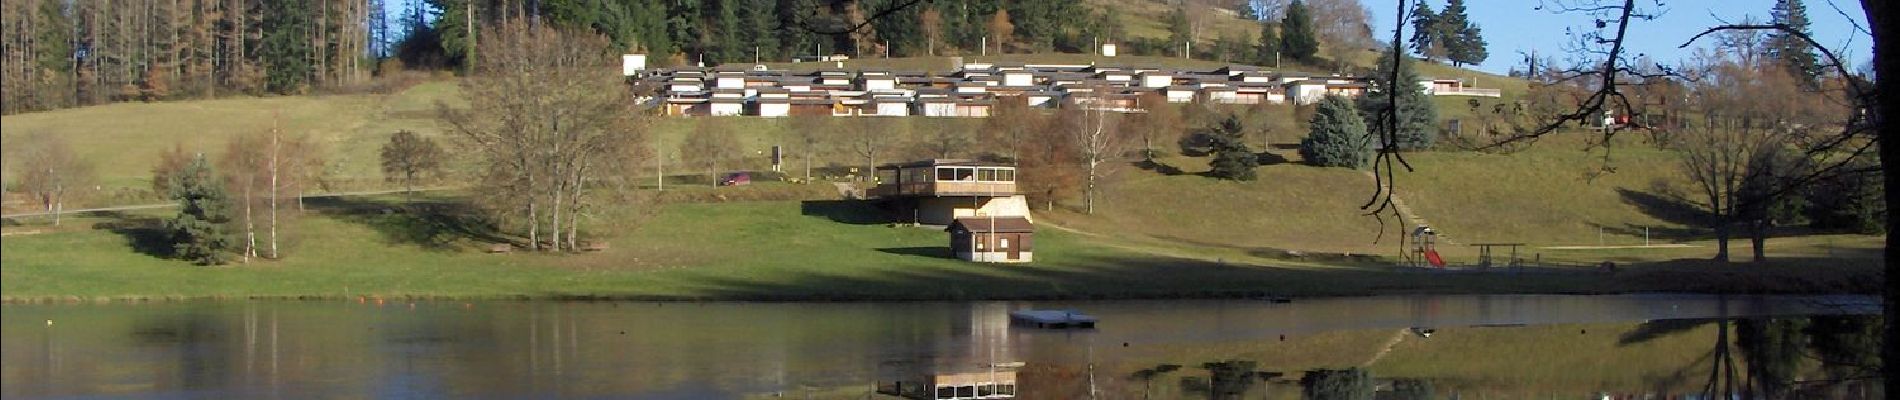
x=64 y=53
x=684 y=32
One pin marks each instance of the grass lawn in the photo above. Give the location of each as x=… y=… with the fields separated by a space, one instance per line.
x=759 y=250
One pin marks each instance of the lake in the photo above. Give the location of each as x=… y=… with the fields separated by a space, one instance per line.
x=1493 y=346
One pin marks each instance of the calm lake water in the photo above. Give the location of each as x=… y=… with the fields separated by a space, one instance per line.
x=498 y=349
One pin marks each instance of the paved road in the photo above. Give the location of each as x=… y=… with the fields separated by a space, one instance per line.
x=170 y=205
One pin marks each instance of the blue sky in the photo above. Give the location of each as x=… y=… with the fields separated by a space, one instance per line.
x=1511 y=26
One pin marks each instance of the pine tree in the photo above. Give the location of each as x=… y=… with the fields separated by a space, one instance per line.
x=1297 y=39
x=727 y=39
x=1417 y=114
x=1268 y=52
x=1338 y=136
x=796 y=38
x=1424 y=30
x=199 y=232
x=1471 y=46
x=285 y=50
x=761 y=25
x=1461 y=39
x=1232 y=159
x=1179 y=32
x=1796 y=54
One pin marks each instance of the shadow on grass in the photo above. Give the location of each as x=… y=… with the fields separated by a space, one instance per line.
x=432 y=224
x=1658 y=329
x=1667 y=207
x=145 y=235
x=942 y=252
x=1269 y=158
x=855 y=212
x=1158 y=167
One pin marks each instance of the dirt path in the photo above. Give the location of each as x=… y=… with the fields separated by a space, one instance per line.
x=1109 y=241
x=1412 y=218
x=170 y=205
x=1389 y=344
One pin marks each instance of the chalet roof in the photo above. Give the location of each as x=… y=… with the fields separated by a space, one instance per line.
x=945 y=162
x=1238 y=68
x=1010 y=224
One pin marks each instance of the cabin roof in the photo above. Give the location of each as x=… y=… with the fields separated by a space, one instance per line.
x=1009 y=224
x=945 y=162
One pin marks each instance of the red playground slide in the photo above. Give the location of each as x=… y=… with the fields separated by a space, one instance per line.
x=1432 y=257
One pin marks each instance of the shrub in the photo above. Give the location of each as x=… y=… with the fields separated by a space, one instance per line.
x=1338 y=137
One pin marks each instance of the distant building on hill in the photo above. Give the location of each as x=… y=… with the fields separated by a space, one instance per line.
x=974 y=88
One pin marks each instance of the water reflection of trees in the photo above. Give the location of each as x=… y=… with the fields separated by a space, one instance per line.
x=1832 y=356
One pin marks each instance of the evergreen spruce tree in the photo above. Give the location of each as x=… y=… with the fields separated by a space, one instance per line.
x=1471 y=46
x=1424 y=30
x=761 y=26
x=1417 y=115
x=285 y=47
x=1458 y=37
x=1179 y=31
x=1268 y=52
x=1232 y=159
x=1338 y=136
x=1297 y=39
x=729 y=44
x=1796 y=54
x=198 y=232
x=793 y=34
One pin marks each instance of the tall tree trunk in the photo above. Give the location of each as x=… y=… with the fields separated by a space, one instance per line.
x=574 y=213
x=534 y=226
x=1886 y=33
x=273 y=193
x=1721 y=239
x=250 y=224
x=556 y=204
x=1758 y=237
x=59 y=202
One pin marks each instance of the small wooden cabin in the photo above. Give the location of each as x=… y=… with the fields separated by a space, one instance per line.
x=995 y=239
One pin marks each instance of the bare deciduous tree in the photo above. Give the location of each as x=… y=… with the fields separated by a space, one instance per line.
x=939 y=138
x=867 y=138
x=409 y=158
x=51 y=171
x=1098 y=140
x=712 y=146
x=543 y=117
x=170 y=164
x=814 y=134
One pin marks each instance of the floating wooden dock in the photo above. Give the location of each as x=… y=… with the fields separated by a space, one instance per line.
x=1053 y=319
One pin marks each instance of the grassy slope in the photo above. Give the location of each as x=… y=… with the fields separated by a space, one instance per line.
x=350 y=127
x=731 y=251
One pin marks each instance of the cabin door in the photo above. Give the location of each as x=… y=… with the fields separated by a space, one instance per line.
x=1015 y=252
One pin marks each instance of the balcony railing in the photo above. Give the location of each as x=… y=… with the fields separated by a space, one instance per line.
x=945 y=188
x=1470 y=92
